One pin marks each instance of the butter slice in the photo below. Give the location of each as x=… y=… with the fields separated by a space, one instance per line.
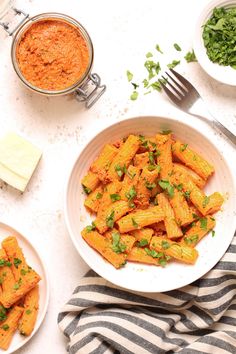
x=18 y=160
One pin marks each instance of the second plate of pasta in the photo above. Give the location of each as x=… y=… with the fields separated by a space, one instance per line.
x=146 y=204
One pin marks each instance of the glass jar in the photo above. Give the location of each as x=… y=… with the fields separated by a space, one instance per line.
x=87 y=88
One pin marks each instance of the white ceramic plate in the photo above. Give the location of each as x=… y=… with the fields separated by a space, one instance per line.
x=224 y=74
x=148 y=278
x=34 y=260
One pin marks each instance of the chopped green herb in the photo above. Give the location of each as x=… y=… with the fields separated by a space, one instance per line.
x=195 y=216
x=141 y=138
x=86 y=189
x=179 y=187
x=135 y=86
x=213 y=233
x=16 y=262
x=149 y=185
x=2 y=262
x=219 y=36
x=164 y=184
x=129 y=75
x=203 y=223
x=153 y=253
x=165 y=244
x=162 y=262
x=99 y=195
x=156 y=86
x=177 y=47
x=3 y=313
x=110 y=219
x=16 y=286
x=149 y=55
x=152 y=68
x=5 y=327
x=213 y=219
x=145 y=83
x=187 y=194
x=151 y=158
x=119 y=170
x=157 y=153
x=23 y=272
x=131 y=194
x=28 y=312
x=163 y=80
x=1 y=280
x=189 y=240
x=173 y=64
x=151 y=167
x=166 y=132
x=154 y=167
x=117 y=246
x=91 y=227
x=159 y=49
x=190 y=57
x=143 y=242
x=134 y=96
x=205 y=201
x=134 y=223
x=115 y=197
x=183 y=147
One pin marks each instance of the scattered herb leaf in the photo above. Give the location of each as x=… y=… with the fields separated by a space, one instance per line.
x=110 y=219
x=143 y=242
x=91 y=227
x=115 y=197
x=117 y=246
x=177 y=47
x=190 y=57
x=149 y=55
x=159 y=49
x=173 y=64
x=203 y=223
x=134 y=96
x=134 y=223
x=129 y=75
x=164 y=184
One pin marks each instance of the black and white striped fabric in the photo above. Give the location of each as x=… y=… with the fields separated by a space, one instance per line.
x=101 y=318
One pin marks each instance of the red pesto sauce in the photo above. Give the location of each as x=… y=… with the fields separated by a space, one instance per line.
x=52 y=55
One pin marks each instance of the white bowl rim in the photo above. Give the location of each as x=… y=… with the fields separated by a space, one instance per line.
x=223 y=74
x=95 y=135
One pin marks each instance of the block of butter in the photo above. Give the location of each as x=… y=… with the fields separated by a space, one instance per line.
x=18 y=160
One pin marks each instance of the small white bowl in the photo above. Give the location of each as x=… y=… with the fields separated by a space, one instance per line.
x=140 y=277
x=224 y=74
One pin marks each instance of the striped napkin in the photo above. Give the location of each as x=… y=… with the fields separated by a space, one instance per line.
x=101 y=318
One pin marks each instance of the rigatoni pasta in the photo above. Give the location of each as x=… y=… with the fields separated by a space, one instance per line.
x=149 y=201
x=20 y=293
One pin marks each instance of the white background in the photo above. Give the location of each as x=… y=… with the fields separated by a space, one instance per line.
x=122 y=32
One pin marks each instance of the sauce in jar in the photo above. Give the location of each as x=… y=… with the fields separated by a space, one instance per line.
x=52 y=54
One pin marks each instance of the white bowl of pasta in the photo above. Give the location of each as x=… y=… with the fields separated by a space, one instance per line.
x=155 y=200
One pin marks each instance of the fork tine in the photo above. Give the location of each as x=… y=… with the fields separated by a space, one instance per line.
x=182 y=88
x=183 y=80
x=179 y=93
x=169 y=93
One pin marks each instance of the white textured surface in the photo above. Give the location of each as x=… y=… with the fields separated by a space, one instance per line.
x=122 y=32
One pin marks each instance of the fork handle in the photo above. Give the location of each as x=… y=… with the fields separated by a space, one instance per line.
x=224 y=130
x=216 y=124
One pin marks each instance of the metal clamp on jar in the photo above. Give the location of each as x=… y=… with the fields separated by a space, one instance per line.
x=51 y=65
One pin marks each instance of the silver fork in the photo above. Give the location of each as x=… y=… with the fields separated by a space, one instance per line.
x=185 y=96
